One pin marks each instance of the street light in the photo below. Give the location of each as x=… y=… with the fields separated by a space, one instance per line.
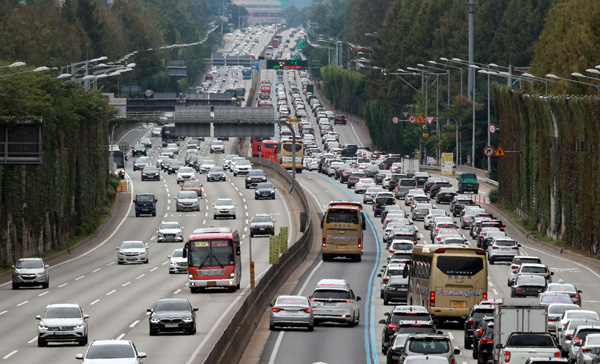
x=553 y=76
x=15 y=64
x=455 y=67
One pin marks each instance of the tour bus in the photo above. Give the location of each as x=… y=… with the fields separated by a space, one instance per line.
x=168 y=135
x=246 y=73
x=265 y=104
x=240 y=93
x=269 y=150
x=343 y=225
x=447 y=280
x=213 y=259
x=257 y=145
x=286 y=152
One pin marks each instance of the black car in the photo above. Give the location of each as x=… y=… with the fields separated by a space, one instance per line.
x=150 y=173
x=435 y=188
x=172 y=315
x=141 y=163
x=445 y=194
x=340 y=119
x=345 y=174
x=255 y=176
x=478 y=332
x=382 y=200
x=412 y=314
x=458 y=204
x=354 y=177
x=396 y=177
x=485 y=345
x=396 y=290
x=485 y=308
x=138 y=150
x=216 y=174
x=264 y=190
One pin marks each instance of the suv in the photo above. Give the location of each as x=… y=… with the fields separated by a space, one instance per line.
x=381 y=200
x=138 y=150
x=216 y=174
x=484 y=308
x=262 y=224
x=187 y=201
x=340 y=119
x=334 y=301
x=515 y=264
x=145 y=203
x=169 y=231
x=404 y=185
x=255 y=176
x=62 y=322
x=224 y=207
x=397 y=315
x=430 y=344
x=30 y=272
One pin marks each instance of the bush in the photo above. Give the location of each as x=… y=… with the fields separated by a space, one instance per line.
x=493 y=195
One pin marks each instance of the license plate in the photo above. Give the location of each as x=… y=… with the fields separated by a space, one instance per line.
x=171 y=325
x=329 y=304
x=459 y=304
x=61 y=333
x=262 y=229
x=341 y=246
x=211 y=284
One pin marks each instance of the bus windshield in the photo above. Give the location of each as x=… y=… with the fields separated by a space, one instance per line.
x=211 y=253
x=288 y=147
x=456 y=265
x=343 y=215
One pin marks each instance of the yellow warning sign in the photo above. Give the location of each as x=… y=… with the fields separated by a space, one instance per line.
x=420 y=119
x=499 y=152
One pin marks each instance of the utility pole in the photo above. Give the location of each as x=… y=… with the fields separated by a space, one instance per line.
x=471 y=79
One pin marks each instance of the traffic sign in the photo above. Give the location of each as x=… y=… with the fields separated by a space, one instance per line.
x=499 y=152
x=405 y=114
x=124 y=147
x=321 y=82
x=492 y=128
x=395 y=120
x=412 y=120
x=292 y=120
x=430 y=119
x=425 y=135
x=488 y=151
x=420 y=119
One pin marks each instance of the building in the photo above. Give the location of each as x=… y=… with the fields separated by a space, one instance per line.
x=262 y=11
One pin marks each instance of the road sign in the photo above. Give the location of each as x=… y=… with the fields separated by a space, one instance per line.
x=425 y=135
x=430 y=119
x=124 y=147
x=420 y=119
x=292 y=120
x=395 y=120
x=405 y=114
x=488 y=151
x=321 y=82
x=412 y=120
x=492 y=128
x=499 y=152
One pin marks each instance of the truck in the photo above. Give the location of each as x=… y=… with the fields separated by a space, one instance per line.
x=145 y=203
x=467 y=182
x=517 y=315
x=520 y=346
x=409 y=166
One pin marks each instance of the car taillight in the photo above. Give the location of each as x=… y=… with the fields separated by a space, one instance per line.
x=514 y=267
x=386 y=279
x=392 y=251
x=471 y=322
x=548 y=276
x=432 y=299
x=502 y=228
x=553 y=319
x=437 y=229
x=277 y=309
x=484 y=296
x=465 y=219
x=360 y=243
x=307 y=310
x=487 y=341
x=577 y=340
x=392 y=326
x=576 y=296
x=507 y=356
x=494 y=247
x=348 y=301
x=557 y=354
x=568 y=336
x=324 y=241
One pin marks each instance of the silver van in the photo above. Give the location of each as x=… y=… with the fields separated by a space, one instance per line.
x=404 y=185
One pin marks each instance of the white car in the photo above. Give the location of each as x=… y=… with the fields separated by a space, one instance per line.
x=156 y=132
x=177 y=263
x=241 y=167
x=433 y=213
x=364 y=183
x=410 y=194
x=112 y=351
x=169 y=231
x=185 y=174
x=132 y=252
x=217 y=146
x=224 y=207
x=228 y=159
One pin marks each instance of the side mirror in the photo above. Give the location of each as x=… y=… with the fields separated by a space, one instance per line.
x=456 y=351
x=379 y=275
x=134 y=201
x=141 y=355
x=551 y=273
x=155 y=200
x=358 y=298
x=47 y=266
x=12 y=266
x=118 y=248
x=195 y=309
x=382 y=321
x=168 y=256
x=86 y=316
x=79 y=356
x=498 y=346
x=440 y=332
x=463 y=317
x=270 y=305
x=38 y=317
x=148 y=310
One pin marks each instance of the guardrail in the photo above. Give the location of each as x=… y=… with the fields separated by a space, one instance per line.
x=230 y=346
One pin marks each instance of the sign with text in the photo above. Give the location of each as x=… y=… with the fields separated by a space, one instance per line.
x=274 y=249
x=283 y=239
x=447 y=159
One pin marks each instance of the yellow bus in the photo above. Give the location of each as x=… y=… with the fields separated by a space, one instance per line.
x=447 y=280
x=343 y=225
x=286 y=151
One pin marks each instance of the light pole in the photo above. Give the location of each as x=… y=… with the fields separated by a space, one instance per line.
x=553 y=76
x=39 y=69
x=455 y=67
x=473 y=67
x=488 y=73
x=471 y=79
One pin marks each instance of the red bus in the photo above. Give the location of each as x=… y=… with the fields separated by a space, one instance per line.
x=269 y=150
x=275 y=43
x=265 y=88
x=265 y=104
x=213 y=257
x=257 y=145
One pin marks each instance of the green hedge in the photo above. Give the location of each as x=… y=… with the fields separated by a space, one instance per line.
x=42 y=206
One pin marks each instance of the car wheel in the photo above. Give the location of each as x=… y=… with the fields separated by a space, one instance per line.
x=46 y=284
x=251 y=234
x=83 y=342
x=351 y=323
x=311 y=328
x=468 y=343
x=171 y=272
x=15 y=286
x=137 y=214
x=475 y=354
x=272 y=327
x=42 y=343
x=214 y=217
x=385 y=302
x=154 y=214
x=153 y=332
x=146 y=261
x=234 y=217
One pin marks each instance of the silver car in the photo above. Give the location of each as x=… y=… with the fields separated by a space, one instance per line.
x=291 y=311
x=421 y=210
x=30 y=272
x=187 y=201
x=429 y=344
x=589 y=350
x=224 y=207
x=111 y=351
x=62 y=322
x=502 y=249
x=555 y=311
x=185 y=174
x=177 y=263
x=568 y=288
x=334 y=301
x=169 y=231
x=132 y=252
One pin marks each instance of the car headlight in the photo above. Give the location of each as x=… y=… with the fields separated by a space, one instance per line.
x=187 y=320
x=154 y=320
x=232 y=274
x=79 y=327
x=42 y=327
x=190 y=276
x=257 y=192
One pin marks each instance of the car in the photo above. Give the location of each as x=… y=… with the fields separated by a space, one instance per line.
x=429 y=359
x=568 y=288
x=547 y=298
x=172 y=315
x=224 y=207
x=370 y=194
x=156 y=131
x=140 y=163
x=392 y=269
x=193 y=185
x=216 y=173
x=430 y=344
x=334 y=301
x=177 y=263
x=362 y=185
x=255 y=176
x=217 y=146
x=62 y=322
x=410 y=194
x=28 y=272
x=429 y=219
x=187 y=201
x=381 y=200
x=132 y=251
x=477 y=312
x=536 y=269
x=242 y=166
x=485 y=344
x=205 y=165
x=291 y=311
x=566 y=333
x=398 y=314
x=421 y=210
x=396 y=289
x=575 y=315
x=147 y=142
x=478 y=334
x=555 y=311
x=516 y=263
x=589 y=350
x=502 y=249
x=138 y=150
x=111 y=351
x=185 y=174
x=150 y=173
x=264 y=190
x=528 y=285
x=175 y=165
x=169 y=231
x=262 y=224
x=445 y=195
x=579 y=336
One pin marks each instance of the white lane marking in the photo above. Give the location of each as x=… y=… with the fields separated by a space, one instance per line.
x=140 y=276
x=43 y=293
x=22 y=303
x=94 y=302
x=80 y=277
x=153 y=269
x=168 y=207
x=167 y=189
x=495 y=292
x=32 y=340
x=165 y=262
x=125 y=284
x=490 y=284
x=168 y=195
x=240 y=194
x=352 y=126
x=111 y=263
x=564 y=260
x=95 y=270
x=3 y=312
x=276 y=348
x=246 y=207
x=244 y=200
x=134 y=323
x=120 y=337
x=111 y=292
x=62 y=285
x=10 y=354
x=177 y=291
x=450 y=335
x=152 y=238
x=166 y=215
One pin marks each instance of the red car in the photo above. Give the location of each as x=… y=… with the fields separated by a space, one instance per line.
x=192 y=186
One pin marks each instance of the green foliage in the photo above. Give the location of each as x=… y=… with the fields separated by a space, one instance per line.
x=493 y=195
x=343 y=88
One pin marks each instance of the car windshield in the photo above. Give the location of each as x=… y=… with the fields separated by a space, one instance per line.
x=110 y=351
x=331 y=293
x=224 y=202
x=186 y=170
x=256 y=173
x=187 y=194
x=142 y=160
x=261 y=219
x=177 y=253
x=150 y=169
x=169 y=225
x=299 y=301
x=165 y=306
x=264 y=185
x=132 y=244
x=145 y=198
x=34 y=263
x=429 y=346
x=191 y=184
x=62 y=312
